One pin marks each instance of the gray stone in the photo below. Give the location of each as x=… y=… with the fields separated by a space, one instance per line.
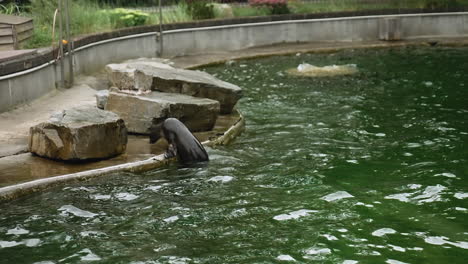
x=142 y=111
x=122 y=75
x=193 y=83
x=101 y=98
x=80 y=133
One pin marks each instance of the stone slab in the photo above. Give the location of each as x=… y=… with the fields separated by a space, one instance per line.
x=142 y=111
x=193 y=83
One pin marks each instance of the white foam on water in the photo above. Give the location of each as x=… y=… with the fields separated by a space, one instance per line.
x=171 y=219
x=90 y=256
x=100 y=197
x=461 y=209
x=157 y=181
x=319 y=155
x=7 y=244
x=441 y=240
x=446 y=174
x=342 y=230
x=44 y=262
x=294 y=215
x=460 y=195
x=393 y=261
x=402 y=197
x=380 y=135
x=330 y=237
x=428 y=84
x=407 y=154
x=397 y=248
x=383 y=231
x=17 y=231
x=222 y=179
x=416 y=249
x=348 y=261
x=336 y=196
x=75 y=189
x=413 y=145
x=126 y=196
x=91 y=233
x=32 y=242
x=318 y=251
x=414 y=186
x=178 y=260
x=285 y=258
x=430 y=194
x=70 y=209
x=352 y=161
x=363 y=204
x=153 y=188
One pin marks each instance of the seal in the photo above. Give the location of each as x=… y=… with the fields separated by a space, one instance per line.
x=182 y=143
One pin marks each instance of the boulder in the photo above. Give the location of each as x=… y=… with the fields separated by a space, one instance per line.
x=193 y=83
x=81 y=133
x=101 y=98
x=140 y=112
x=122 y=75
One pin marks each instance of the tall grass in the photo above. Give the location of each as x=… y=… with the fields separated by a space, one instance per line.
x=87 y=16
x=171 y=15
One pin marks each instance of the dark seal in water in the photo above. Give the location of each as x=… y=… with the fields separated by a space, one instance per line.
x=182 y=143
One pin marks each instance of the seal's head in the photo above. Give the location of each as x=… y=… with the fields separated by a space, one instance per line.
x=155 y=133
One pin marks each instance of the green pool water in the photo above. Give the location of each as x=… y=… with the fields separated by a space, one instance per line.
x=366 y=168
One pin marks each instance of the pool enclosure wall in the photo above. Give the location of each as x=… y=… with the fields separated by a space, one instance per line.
x=20 y=84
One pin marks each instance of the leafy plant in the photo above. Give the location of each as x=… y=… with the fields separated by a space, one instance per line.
x=200 y=9
x=121 y=17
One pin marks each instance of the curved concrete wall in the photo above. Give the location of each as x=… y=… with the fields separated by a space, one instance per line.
x=23 y=87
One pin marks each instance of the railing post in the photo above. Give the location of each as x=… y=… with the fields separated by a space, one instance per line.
x=160 y=53
x=61 y=53
x=69 y=45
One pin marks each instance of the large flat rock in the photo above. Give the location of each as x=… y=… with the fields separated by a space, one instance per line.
x=193 y=83
x=121 y=75
x=140 y=112
x=80 y=133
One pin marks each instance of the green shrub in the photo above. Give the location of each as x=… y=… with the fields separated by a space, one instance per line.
x=120 y=17
x=200 y=9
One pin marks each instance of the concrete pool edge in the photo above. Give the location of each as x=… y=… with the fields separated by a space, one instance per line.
x=16 y=191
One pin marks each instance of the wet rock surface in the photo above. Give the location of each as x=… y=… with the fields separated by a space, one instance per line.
x=77 y=134
x=140 y=112
x=193 y=83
